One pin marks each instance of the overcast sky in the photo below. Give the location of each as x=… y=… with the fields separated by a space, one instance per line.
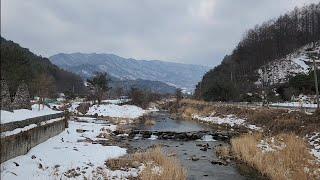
x=188 y=31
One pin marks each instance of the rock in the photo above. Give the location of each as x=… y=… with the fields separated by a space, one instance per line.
x=228 y=161
x=172 y=154
x=218 y=162
x=203 y=149
x=194 y=158
x=5 y=97
x=22 y=98
x=135 y=164
x=81 y=130
x=16 y=164
x=146 y=134
x=181 y=136
x=194 y=136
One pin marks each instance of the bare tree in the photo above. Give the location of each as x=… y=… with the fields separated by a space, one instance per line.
x=45 y=88
x=179 y=96
x=99 y=86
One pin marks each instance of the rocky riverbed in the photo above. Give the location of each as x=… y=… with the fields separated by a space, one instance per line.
x=194 y=144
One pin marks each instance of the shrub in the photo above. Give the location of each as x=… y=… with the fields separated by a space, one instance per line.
x=83 y=108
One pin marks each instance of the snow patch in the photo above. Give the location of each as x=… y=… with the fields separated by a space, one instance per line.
x=230 y=120
x=112 y=110
x=22 y=114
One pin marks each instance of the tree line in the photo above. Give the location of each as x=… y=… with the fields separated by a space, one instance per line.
x=271 y=40
x=18 y=65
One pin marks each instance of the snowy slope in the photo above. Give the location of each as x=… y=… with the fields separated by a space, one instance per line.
x=180 y=75
x=279 y=70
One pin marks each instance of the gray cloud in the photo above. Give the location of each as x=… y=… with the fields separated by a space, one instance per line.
x=189 y=31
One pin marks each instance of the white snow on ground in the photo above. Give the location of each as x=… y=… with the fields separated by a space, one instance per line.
x=112 y=110
x=314 y=141
x=22 y=114
x=26 y=128
x=153 y=137
x=74 y=106
x=51 y=121
x=230 y=120
x=295 y=104
x=67 y=153
x=18 y=130
x=207 y=138
x=55 y=105
x=116 y=101
x=269 y=145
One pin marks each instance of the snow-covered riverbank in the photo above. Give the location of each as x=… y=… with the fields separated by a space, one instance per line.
x=72 y=153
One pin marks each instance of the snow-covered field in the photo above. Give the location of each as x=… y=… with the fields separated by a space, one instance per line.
x=22 y=114
x=69 y=154
x=230 y=120
x=112 y=110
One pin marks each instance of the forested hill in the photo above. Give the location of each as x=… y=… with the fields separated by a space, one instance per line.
x=272 y=40
x=19 y=64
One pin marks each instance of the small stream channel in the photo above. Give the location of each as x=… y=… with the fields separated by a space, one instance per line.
x=201 y=168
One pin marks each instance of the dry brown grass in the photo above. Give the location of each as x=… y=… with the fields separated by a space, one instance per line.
x=274 y=121
x=188 y=112
x=288 y=163
x=149 y=122
x=155 y=158
x=261 y=117
x=193 y=102
x=223 y=152
x=170 y=167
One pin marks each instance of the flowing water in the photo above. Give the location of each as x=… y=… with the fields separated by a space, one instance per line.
x=184 y=150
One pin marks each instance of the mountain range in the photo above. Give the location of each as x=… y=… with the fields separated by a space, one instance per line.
x=184 y=76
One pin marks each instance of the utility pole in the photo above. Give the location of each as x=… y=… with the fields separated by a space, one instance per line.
x=316 y=81
x=315 y=56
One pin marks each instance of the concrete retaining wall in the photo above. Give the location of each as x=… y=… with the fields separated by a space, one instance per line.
x=36 y=120
x=19 y=144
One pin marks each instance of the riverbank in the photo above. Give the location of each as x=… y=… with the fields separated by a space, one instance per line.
x=281 y=144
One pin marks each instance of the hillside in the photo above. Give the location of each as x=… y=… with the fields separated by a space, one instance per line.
x=19 y=64
x=180 y=75
x=279 y=71
x=273 y=45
